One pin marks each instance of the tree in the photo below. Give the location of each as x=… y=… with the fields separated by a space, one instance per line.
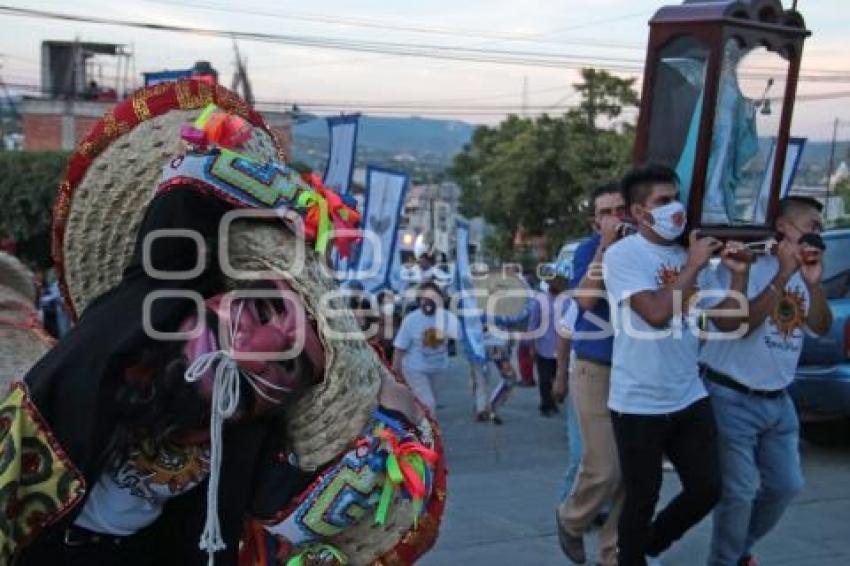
x=536 y=173
x=603 y=94
x=28 y=185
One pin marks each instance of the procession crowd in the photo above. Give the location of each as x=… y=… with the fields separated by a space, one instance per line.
x=668 y=354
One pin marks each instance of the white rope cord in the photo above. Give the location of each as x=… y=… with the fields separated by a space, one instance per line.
x=225 y=401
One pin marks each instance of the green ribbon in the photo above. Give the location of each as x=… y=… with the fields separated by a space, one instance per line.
x=323 y=230
x=202 y=120
x=317 y=549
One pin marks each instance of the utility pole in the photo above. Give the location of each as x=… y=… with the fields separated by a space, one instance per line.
x=525 y=96
x=240 y=76
x=831 y=165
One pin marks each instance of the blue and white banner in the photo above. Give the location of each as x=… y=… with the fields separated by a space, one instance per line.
x=470 y=314
x=379 y=254
x=342 y=133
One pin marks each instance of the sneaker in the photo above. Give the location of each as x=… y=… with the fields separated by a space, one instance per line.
x=495 y=419
x=747 y=560
x=572 y=545
x=482 y=417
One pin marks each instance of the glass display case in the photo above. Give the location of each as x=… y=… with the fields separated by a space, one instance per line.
x=718 y=95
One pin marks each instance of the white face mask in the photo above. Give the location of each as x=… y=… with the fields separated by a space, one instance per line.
x=387 y=309
x=669 y=220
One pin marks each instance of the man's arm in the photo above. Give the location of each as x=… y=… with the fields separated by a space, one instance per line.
x=398 y=360
x=658 y=306
x=588 y=267
x=763 y=304
x=819 y=319
x=732 y=313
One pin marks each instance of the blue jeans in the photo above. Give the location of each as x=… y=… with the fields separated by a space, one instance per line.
x=758 y=440
x=574 y=447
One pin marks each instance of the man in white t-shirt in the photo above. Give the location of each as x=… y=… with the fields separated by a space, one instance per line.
x=657 y=400
x=747 y=378
x=421 y=345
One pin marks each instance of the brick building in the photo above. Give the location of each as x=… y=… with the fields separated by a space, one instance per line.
x=62 y=124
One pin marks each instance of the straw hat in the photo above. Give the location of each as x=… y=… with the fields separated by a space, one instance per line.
x=110 y=181
x=113 y=176
x=22 y=339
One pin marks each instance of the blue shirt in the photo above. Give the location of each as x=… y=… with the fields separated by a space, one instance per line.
x=595 y=349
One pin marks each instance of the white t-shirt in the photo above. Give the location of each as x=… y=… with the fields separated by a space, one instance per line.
x=424 y=338
x=654 y=370
x=128 y=499
x=766 y=359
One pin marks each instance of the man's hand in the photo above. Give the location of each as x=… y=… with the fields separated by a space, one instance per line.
x=810 y=260
x=701 y=249
x=788 y=255
x=608 y=231
x=736 y=257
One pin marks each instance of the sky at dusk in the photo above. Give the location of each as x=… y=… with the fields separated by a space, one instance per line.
x=613 y=31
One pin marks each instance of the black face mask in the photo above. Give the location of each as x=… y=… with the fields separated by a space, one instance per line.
x=428 y=306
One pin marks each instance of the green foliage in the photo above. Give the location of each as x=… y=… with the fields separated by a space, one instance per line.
x=536 y=173
x=28 y=185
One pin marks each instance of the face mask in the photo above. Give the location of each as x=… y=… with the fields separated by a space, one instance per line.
x=428 y=306
x=387 y=309
x=669 y=220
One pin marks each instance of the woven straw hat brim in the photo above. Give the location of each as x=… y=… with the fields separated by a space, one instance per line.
x=16 y=276
x=323 y=422
x=23 y=341
x=508 y=293
x=113 y=176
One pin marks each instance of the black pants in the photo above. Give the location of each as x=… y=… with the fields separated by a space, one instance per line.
x=689 y=439
x=546 y=368
x=54 y=548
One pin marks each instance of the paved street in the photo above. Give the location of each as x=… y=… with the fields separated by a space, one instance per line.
x=503 y=485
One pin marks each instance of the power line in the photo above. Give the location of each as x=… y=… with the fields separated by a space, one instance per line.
x=447 y=52
x=434 y=30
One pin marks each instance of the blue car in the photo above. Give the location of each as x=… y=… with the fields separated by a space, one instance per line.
x=822 y=388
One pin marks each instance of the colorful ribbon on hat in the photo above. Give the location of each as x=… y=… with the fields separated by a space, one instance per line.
x=321 y=551
x=341 y=214
x=406 y=467
x=216 y=162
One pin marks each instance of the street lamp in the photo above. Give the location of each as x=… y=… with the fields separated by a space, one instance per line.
x=705 y=109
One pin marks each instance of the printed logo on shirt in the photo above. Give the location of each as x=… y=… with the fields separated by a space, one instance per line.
x=666 y=277
x=789 y=314
x=152 y=473
x=433 y=338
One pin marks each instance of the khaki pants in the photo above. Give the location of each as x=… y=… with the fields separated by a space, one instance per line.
x=598 y=480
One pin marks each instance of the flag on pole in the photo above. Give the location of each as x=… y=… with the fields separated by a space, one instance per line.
x=379 y=252
x=342 y=133
x=470 y=313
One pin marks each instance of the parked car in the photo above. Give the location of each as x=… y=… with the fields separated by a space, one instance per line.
x=822 y=388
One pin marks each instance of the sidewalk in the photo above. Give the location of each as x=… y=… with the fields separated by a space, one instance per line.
x=503 y=487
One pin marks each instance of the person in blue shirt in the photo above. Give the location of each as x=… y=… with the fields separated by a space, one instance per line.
x=598 y=481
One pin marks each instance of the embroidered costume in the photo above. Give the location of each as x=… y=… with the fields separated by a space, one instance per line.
x=211 y=404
